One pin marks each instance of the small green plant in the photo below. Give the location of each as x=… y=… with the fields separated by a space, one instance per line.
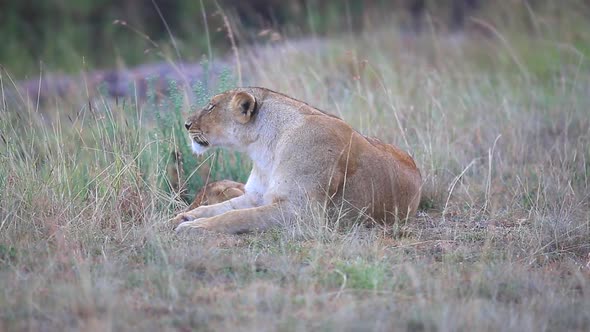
x=358 y=274
x=7 y=253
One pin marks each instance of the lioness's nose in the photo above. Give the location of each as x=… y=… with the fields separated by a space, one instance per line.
x=187 y=125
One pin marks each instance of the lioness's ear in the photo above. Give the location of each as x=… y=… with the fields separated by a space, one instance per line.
x=243 y=105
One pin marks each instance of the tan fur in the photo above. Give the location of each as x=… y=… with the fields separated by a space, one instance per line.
x=217 y=192
x=299 y=154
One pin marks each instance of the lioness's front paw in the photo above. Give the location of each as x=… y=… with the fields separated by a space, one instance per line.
x=180 y=218
x=190 y=225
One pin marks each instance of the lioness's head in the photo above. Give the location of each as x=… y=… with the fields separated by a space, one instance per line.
x=222 y=122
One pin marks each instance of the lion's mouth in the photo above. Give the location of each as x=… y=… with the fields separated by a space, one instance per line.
x=201 y=140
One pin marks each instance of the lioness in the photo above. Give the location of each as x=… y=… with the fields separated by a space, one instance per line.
x=299 y=154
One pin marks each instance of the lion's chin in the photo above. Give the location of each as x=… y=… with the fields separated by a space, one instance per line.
x=198 y=148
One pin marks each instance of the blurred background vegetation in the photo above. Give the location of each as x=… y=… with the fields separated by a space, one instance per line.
x=67 y=35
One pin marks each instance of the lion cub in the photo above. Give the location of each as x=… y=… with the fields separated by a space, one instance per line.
x=300 y=155
x=217 y=192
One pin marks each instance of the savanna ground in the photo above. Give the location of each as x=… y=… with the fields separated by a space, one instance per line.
x=497 y=118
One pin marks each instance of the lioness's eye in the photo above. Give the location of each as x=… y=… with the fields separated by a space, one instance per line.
x=210 y=107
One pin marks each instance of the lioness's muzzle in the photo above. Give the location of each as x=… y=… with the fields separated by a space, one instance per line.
x=200 y=139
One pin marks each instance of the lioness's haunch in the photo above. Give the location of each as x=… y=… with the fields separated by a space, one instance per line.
x=299 y=155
